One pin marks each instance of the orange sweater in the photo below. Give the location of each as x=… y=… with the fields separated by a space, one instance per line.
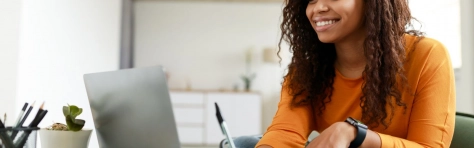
x=428 y=120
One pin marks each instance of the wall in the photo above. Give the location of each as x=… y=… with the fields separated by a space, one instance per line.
x=447 y=31
x=59 y=42
x=203 y=45
x=465 y=87
x=456 y=33
x=457 y=16
x=9 y=36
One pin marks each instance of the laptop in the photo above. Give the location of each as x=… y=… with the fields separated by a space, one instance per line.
x=132 y=108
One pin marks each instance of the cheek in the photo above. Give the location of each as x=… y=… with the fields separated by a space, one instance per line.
x=354 y=11
x=309 y=12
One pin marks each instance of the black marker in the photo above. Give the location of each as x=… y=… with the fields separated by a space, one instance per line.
x=224 y=127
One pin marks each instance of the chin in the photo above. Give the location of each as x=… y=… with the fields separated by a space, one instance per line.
x=325 y=39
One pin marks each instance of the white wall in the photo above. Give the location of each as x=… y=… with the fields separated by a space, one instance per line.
x=465 y=86
x=447 y=31
x=455 y=31
x=9 y=36
x=205 y=43
x=60 y=40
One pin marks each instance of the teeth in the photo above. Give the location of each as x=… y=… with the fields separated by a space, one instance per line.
x=324 y=23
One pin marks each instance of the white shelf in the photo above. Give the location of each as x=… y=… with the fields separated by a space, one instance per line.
x=196 y=117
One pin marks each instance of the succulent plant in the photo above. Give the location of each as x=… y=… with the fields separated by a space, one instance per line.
x=71 y=112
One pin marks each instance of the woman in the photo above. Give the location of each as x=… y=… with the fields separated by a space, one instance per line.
x=354 y=58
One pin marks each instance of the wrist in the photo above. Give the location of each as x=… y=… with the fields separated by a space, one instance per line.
x=360 y=134
x=350 y=131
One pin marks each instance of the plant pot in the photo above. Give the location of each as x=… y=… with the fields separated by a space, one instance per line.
x=63 y=139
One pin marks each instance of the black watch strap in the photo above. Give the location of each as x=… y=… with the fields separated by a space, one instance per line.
x=360 y=137
x=361 y=132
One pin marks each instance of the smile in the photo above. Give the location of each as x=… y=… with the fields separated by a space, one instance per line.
x=324 y=23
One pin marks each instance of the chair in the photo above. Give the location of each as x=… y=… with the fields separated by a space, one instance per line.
x=463 y=131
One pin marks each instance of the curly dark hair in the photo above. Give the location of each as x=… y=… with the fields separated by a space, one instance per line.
x=311 y=71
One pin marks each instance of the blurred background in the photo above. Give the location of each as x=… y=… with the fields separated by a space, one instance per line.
x=210 y=49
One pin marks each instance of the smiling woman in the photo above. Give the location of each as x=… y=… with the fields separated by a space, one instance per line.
x=354 y=60
x=343 y=20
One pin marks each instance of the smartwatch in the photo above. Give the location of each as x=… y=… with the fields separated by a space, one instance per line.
x=361 y=132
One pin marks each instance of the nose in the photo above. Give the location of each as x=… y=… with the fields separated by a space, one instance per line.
x=320 y=7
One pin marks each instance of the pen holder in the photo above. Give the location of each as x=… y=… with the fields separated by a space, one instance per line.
x=25 y=138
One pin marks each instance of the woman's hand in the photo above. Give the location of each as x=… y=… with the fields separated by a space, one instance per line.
x=338 y=135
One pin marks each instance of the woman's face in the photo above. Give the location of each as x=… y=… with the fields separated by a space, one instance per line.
x=336 y=20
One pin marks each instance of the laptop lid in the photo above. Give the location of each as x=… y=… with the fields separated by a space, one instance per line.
x=132 y=108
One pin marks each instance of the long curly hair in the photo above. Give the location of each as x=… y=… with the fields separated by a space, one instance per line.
x=311 y=71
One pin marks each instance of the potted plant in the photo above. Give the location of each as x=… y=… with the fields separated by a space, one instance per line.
x=71 y=135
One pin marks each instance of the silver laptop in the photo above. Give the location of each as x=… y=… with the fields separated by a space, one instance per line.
x=132 y=108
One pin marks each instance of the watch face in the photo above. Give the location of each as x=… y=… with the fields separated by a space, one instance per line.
x=363 y=125
x=357 y=123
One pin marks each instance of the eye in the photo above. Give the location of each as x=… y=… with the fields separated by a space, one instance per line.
x=312 y=1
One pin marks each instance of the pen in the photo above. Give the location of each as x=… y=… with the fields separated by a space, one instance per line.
x=223 y=126
x=14 y=132
x=21 y=114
